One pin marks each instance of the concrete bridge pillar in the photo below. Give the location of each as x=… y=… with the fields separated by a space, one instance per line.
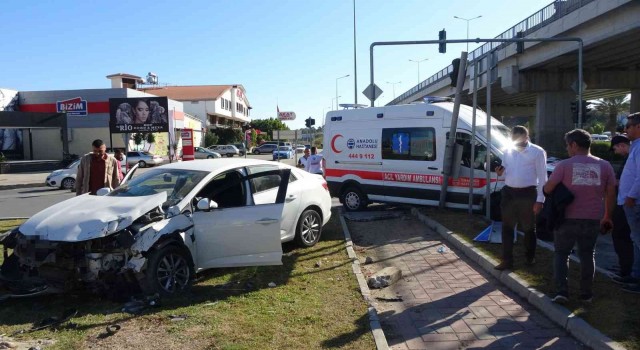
x=553 y=120
x=635 y=101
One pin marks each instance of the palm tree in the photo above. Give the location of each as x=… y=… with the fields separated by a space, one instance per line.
x=611 y=107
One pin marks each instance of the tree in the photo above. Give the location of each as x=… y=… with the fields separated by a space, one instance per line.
x=210 y=139
x=254 y=138
x=137 y=140
x=228 y=135
x=611 y=107
x=268 y=125
x=149 y=139
x=596 y=129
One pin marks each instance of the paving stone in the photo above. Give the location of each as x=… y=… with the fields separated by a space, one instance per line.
x=443 y=345
x=438 y=337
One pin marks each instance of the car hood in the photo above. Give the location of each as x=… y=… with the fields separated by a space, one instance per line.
x=88 y=217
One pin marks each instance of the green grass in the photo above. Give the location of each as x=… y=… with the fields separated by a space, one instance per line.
x=613 y=312
x=310 y=308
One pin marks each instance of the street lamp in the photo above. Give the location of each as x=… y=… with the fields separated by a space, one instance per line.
x=337 y=88
x=335 y=99
x=418 y=62
x=468 y=20
x=394 y=87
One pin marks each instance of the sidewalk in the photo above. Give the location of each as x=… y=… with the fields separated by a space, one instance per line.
x=23 y=180
x=446 y=301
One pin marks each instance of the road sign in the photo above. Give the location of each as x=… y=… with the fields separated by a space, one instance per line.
x=372 y=92
x=285 y=134
x=286 y=115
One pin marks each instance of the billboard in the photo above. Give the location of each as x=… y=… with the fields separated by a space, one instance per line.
x=138 y=114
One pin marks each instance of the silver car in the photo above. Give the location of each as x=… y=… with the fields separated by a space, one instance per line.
x=203 y=153
x=226 y=150
x=143 y=158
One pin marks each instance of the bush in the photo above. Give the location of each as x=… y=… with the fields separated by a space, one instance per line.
x=210 y=139
x=600 y=149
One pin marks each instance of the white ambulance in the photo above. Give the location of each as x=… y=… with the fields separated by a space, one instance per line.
x=396 y=154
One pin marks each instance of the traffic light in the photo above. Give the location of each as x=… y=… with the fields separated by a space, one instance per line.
x=520 y=44
x=309 y=122
x=585 y=111
x=442 y=35
x=454 y=73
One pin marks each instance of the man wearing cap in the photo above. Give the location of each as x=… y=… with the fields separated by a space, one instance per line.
x=621 y=233
x=629 y=196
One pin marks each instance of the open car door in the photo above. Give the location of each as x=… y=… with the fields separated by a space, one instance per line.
x=235 y=231
x=129 y=173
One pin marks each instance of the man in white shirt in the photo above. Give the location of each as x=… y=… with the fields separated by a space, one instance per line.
x=315 y=162
x=525 y=173
x=302 y=161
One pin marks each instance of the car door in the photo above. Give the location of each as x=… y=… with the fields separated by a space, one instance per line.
x=265 y=189
x=129 y=174
x=239 y=232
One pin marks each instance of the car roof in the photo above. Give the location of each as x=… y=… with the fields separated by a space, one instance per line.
x=220 y=164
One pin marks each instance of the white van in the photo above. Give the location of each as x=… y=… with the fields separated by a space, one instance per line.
x=396 y=154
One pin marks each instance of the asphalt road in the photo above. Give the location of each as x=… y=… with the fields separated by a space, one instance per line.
x=26 y=202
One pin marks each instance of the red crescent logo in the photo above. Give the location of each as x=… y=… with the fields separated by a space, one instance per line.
x=333 y=144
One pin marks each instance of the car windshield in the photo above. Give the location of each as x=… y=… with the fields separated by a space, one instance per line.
x=74 y=164
x=284 y=148
x=500 y=136
x=146 y=154
x=177 y=183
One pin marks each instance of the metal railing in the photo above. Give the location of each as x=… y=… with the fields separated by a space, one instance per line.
x=546 y=15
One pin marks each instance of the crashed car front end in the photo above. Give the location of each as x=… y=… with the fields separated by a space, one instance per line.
x=100 y=252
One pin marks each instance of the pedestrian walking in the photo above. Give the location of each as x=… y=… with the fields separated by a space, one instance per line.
x=315 y=163
x=120 y=158
x=629 y=195
x=592 y=182
x=97 y=170
x=621 y=232
x=525 y=172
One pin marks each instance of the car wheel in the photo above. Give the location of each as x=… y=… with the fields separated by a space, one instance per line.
x=142 y=164
x=230 y=155
x=256 y=152
x=353 y=199
x=309 y=228
x=168 y=272
x=68 y=183
x=210 y=157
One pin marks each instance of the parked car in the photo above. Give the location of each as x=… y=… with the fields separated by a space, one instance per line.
x=265 y=148
x=225 y=150
x=64 y=178
x=241 y=148
x=300 y=149
x=204 y=153
x=597 y=137
x=143 y=159
x=159 y=229
x=283 y=152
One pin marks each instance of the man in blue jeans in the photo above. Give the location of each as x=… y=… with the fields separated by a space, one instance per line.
x=629 y=194
x=591 y=180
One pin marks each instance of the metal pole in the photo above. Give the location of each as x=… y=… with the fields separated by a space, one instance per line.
x=355 y=66
x=337 y=93
x=473 y=134
x=580 y=111
x=488 y=155
x=448 y=152
x=371 y=67
x=468 y=34
x=126 y=153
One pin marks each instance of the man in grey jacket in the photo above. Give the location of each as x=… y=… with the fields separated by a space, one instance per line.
x=97 y=170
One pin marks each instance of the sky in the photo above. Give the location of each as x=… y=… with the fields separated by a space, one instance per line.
x=286 y=53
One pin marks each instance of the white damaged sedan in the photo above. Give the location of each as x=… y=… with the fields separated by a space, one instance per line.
x=159 y=229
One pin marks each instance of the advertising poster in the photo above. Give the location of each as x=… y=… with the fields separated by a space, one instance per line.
x=138 y=115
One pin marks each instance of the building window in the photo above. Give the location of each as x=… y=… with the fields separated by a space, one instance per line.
x=409 y=144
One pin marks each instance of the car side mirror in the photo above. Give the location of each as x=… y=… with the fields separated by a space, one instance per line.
x=103 y=191
x=205 y=204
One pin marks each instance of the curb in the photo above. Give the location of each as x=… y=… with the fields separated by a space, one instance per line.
x=374 y=321
x=574 y=325
x=13 y=187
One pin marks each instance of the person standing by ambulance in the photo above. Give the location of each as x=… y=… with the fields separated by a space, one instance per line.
x=525 y=172
x=315 y=163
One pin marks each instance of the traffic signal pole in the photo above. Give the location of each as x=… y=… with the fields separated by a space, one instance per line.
x=478 y=40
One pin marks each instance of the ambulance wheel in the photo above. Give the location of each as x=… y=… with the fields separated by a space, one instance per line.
x=353 y=199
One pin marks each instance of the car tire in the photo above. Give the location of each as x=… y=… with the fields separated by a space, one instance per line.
x=256 y=152
x=68 y=183
x=169 y=271
x=309 y=228
x=230 y=155
x=210 y=157
x=142 y=164
x=353 y=199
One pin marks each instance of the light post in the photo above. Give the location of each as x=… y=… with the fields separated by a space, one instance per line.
x=418 y=62
x=337 y=88
x=394 y=87
x=335 y=99
x=468 y=20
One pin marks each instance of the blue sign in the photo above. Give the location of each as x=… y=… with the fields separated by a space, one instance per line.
x=75 y=106
x=351 y=143
x=400 y=143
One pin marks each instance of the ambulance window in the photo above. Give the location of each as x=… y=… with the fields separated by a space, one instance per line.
x=409 y=144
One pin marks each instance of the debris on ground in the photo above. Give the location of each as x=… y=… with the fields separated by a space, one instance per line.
x=318 y=263
x=368 y=260
x=50 y=322
x=384 y=278
x=109 y=331
x=136 y=306
x=442 y=249
x=399 y=298
x=271 y=285
x=176 y=318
